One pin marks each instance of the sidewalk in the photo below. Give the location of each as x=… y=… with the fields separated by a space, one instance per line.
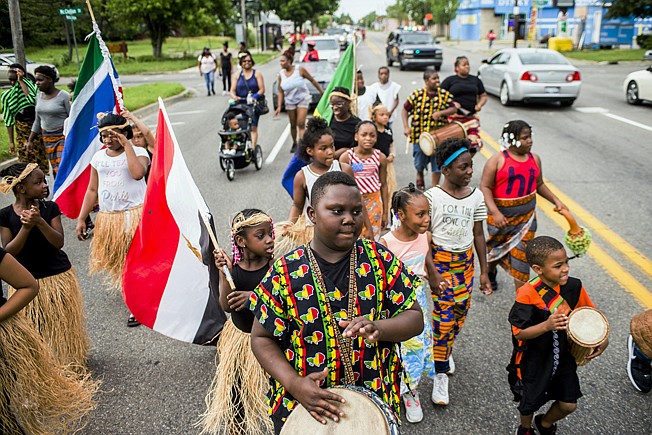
x=482 y=46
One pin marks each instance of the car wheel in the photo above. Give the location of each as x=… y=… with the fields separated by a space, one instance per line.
x=230 y=169
x=275 y=100
x=258 y=157
x=567 y=103
x=400 y=64
x=389 y=61
x=632 y=93
x=504 y=95
x=437 y=67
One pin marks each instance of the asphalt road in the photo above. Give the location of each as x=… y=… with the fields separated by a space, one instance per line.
x=155 y=385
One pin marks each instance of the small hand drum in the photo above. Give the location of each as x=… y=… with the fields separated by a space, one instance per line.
x=364 y=413
x=588 y=328
x=428 y=141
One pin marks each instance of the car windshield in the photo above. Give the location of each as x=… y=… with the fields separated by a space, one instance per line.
x=12 y=59
x=416 y=38
x=320 y=71
x=542 y=58
x=335 y=31
x=325 y=44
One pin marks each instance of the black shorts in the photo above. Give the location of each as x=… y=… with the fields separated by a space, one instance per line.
x=537 y=390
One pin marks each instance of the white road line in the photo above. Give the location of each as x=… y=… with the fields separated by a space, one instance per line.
x=628 y=121
x=591 y=110
x=189 y=112
x=279 y=145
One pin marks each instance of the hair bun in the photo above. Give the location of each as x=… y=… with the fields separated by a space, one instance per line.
x=100 y=116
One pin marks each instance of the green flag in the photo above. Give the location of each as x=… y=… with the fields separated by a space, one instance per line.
x=344 y=76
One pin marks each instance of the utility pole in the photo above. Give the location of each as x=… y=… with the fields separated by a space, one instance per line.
x=243 y=14
x=17 y=32
x=516 y=22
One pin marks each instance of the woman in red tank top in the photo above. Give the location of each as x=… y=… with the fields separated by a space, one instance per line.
x=510 y=183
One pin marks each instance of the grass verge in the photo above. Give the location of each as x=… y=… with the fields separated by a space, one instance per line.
x=607 y=55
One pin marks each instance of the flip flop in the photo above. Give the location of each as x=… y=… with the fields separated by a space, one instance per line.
x=131 y=322
x=421 y=185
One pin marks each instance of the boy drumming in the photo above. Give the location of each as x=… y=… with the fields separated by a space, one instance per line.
x=304 y=338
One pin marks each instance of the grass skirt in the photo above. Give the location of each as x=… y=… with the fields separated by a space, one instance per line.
x=374 y=204
x=290 y=236
x=37 y=395
x=57 y=314
x=236 y=399
x=391 y=180
x=113 y=234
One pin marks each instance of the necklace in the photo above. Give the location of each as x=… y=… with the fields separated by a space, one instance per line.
x=345 y=344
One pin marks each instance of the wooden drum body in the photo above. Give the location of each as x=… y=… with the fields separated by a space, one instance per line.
x=428 y=142
x=364 y=413
x=588 y=328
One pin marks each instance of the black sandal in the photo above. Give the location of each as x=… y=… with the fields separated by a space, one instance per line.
x=131 y=322
x=492 y=279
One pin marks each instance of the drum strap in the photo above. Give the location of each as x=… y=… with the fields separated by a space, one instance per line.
x=344 y=344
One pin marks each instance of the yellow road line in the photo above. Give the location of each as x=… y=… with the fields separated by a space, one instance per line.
x=373 y=46
x=595 y=225
x=611 y=266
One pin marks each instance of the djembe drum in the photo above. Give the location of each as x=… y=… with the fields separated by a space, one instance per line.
x=428 y=141
x=364 y=413
x=587 y=329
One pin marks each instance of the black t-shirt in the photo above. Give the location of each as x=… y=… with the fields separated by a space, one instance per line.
x=465 y=90
x=225 y=61
x=343 y=132
x=384 y=141
x=246 y=281
x=335 y=274
x=38 y=256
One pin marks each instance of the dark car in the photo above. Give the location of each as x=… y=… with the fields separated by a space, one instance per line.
x=322 y=72
x=410 y=49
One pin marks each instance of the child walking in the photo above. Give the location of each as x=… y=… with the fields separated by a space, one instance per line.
x=118 y=180
x=510 y=183
x=317 y=147
x=410 y=243
x=370 y=170
x=457 y=212
x=235 y=402
x=332 y=311
x=39 y=395
x=385 y=143
x=542 y=367
x=31 y=230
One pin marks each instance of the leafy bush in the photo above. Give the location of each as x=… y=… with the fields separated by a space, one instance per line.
x=644 y=41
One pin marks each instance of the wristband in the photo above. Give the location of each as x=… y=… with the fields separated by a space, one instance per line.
x=255 y=96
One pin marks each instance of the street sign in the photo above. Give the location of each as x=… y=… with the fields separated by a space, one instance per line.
x=71 y=17
x=70 y=11
x=540 y=3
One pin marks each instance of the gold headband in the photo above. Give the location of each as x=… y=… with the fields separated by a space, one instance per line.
x=340 y=94
x=7 y=183
x=108 y=127
x=240 y=222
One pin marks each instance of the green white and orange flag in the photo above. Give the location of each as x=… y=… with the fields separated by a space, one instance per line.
x=344 y=76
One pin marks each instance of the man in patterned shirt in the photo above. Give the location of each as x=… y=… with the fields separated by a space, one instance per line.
x=331 y=312
x=429 y=107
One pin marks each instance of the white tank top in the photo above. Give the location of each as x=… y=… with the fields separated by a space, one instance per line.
x=311 y=177
x=294 y=87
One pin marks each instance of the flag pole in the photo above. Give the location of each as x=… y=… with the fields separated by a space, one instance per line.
x=90 y=10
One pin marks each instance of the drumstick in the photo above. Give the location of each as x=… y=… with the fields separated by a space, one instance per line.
x=216 y=245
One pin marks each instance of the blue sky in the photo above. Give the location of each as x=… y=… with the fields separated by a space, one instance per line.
x=359 y=8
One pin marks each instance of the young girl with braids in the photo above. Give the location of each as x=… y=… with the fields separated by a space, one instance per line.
x=118 y=180
x=410 y=243
x=385 y=143
x=316 y=147
x=38 y=394
x=510 y=183
x=370 y=173
x=31 y=230
x=236 y=402
x=457 y=213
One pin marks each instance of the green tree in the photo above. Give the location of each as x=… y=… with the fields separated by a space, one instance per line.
x=343 y=19
x=626 y=8
x=368 y=19
x=444 y=11
x=324 y=21
x=300 y=11
x=397 y=11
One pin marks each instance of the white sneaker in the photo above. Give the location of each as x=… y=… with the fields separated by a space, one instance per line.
x=451 y=368
x=413 y=411
x=440 y=389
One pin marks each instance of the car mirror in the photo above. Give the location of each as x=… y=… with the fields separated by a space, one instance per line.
x=484 y=61
x=649 y=68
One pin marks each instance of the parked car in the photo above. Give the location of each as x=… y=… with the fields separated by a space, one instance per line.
x=410 y=48
x=638 y=86
x=7 y=59
x=530 y=74
x=322 y=72
x=327 y=47
x=648 y=55
x=341 y=35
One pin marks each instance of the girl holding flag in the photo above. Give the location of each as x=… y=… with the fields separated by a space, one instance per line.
x=118 y=181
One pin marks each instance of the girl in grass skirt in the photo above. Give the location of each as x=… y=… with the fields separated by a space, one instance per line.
x=37 y=394
x=236 y=399
x=118 y=180
x=31 y=230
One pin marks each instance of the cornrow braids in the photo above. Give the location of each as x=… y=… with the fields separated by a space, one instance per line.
x=511 y=134
x=315 y=129
x=400 y=200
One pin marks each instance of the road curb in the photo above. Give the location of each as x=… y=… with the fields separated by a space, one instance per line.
x=141 y=113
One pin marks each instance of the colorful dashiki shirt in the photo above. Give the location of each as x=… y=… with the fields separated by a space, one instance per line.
x=290 y=304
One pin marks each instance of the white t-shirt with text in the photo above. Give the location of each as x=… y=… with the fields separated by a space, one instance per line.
x=388 y=94
x=116 y=189
x=452 y=219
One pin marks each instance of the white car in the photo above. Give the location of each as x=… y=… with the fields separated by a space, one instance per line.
x=328 y=48
x=638 y=86
x=7 y=59
x=530 y=74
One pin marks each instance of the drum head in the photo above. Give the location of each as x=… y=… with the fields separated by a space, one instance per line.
x=588 y=326
x=361 y=416
x=427 y=143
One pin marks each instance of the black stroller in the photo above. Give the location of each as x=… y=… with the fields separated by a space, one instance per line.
x=241 y=153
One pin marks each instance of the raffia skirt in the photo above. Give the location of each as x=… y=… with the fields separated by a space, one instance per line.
x=57 y=314
x=114 y=231
x=292 y=235
x=37 y=394
x=235 y=403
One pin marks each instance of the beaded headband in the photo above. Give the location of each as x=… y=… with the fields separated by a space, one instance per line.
x=239 y=223
x=7 y=183
x=340 y=94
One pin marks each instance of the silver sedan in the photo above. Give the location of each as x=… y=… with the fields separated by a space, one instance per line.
x=530 y=74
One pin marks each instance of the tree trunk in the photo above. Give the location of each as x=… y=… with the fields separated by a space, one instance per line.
x=157 y=34
x=65 y=23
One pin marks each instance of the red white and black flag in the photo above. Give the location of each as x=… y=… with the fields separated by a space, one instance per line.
x=170 y=282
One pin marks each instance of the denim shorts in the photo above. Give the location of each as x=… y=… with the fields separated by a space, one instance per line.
x=421 y=160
